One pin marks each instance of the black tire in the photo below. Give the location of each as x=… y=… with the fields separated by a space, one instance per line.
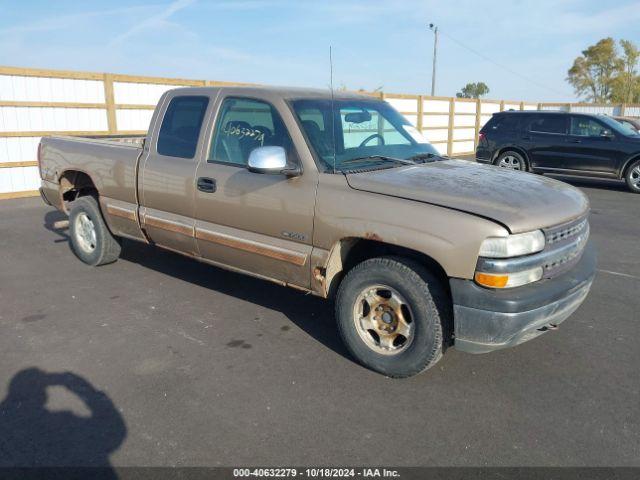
x=106 y=247
x=429 y=306
x=632 y=177
x=513 y=155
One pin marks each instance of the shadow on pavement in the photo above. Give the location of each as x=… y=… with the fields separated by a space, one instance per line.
x=31 y=435
x=50 y=218
x=311 y=314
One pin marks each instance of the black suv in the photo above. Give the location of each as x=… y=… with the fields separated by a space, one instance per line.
x=562 y=142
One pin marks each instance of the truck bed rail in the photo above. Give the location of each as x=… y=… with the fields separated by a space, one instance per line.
x=136 y=141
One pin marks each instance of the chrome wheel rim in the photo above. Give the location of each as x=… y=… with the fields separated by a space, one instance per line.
x=384 y=320
x=511 y=162
x=634 y=176
x=85 y=233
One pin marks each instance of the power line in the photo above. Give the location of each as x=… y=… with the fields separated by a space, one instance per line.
x=513 y=72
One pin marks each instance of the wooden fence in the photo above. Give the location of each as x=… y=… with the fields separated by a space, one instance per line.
x=37 y=102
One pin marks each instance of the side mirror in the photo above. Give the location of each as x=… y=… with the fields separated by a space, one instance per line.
x=271 y=160
x=606 y=134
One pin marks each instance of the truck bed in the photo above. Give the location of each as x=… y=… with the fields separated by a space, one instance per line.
x=110 y=163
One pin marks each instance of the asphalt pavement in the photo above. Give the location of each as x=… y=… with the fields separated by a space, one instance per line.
x=160 y=360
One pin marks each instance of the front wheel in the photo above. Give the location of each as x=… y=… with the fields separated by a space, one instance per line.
x=390 y=313
x=632 y=177
x=91 y=240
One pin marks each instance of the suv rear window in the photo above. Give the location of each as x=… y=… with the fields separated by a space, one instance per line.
x=181 y=125
x=502 y=123
x=549 y=124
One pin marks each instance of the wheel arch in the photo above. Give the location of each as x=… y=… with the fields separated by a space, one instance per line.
x=627 y=164
x=75 y=183
x=516 y=149
x=350 y=251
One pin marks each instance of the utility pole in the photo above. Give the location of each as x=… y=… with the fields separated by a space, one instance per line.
x=434 y=29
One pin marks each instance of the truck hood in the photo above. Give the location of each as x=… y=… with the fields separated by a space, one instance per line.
x=519 y=201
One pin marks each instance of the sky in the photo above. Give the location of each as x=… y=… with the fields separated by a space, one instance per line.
x=520 y=49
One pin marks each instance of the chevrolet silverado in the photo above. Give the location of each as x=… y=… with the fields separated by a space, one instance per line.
x=340 y=196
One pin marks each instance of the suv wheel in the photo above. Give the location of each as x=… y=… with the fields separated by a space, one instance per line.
x=632 y=177
x=91 y=240
x=511 y=160
x=390 y=313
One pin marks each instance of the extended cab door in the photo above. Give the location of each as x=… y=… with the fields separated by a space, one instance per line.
x=257 y=223
x=167 y=174
x=544 y=137
x=592 y=147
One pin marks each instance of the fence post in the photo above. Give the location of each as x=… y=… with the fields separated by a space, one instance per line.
x=452 y=115
x=110 y=103
x=521 y=106
x=502 y=105
x=568 y=107
x=478 y=113
x=420 y=110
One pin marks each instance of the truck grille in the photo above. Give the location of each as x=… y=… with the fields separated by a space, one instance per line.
x=565 y=244
x=567 y=231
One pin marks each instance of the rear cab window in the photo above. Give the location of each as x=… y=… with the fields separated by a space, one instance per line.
x=181 y=126
x=556 y=124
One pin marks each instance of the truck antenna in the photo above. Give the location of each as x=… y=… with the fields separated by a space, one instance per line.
x=333 y=116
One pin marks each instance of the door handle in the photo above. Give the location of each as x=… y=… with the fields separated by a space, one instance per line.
x=574 y=140
x=207 y=185
x=526 y=138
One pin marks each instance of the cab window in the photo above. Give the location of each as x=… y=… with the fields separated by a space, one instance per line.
x=181 y=125
x=244 y=125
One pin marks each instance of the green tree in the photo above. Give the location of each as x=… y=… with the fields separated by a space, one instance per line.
x=601 y=74
x=473 y=90
x=626 y=86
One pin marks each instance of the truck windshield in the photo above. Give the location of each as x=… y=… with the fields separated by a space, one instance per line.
x=368 y=134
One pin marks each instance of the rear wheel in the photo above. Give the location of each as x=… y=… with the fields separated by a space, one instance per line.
x=390 y=313
x=632 y=177
x=511 y=160
x=91 y=240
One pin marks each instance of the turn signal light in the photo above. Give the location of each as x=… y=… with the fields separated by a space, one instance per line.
x=492 y=281
x=508 y=280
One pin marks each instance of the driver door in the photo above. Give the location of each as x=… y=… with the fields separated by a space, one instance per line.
x=253 y=222
x=589 y=148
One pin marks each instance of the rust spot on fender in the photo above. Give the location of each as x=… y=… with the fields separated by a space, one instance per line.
x=319 y=274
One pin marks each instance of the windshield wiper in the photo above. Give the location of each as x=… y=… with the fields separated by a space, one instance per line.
x=378 y=157
x=427 y=157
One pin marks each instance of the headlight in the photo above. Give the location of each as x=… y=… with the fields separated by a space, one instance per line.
x=513 y=245
x=508 y=280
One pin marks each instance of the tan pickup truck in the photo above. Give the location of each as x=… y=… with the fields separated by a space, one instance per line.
x=341 y=197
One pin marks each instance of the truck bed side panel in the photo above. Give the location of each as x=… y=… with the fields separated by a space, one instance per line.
x=112 y=169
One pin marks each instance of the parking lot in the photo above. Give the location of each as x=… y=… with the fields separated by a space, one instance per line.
x=200 y=366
